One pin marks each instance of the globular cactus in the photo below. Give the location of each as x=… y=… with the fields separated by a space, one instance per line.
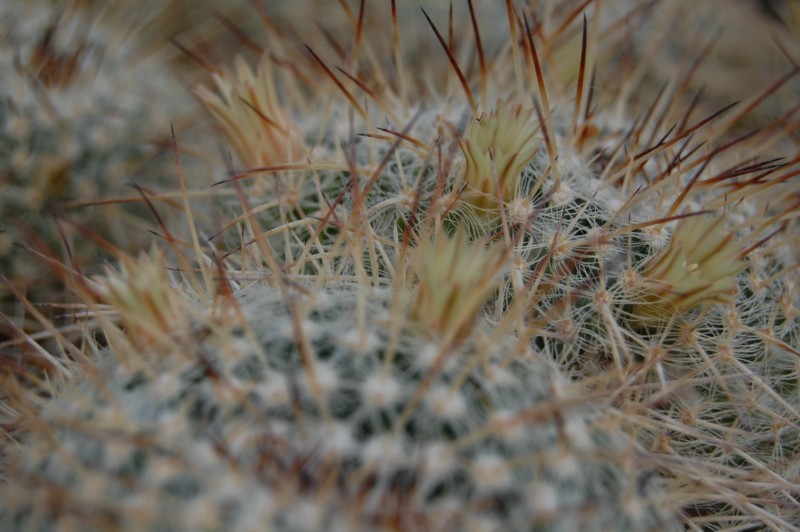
x=515 y=292
x=340 y=407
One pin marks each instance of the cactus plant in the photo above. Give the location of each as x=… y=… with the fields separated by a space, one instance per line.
x=325 y=407
x=409 y=317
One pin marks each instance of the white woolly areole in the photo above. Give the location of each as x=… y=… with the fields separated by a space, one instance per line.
x=324 y=376
x=427 y=355
x=274 y=391
x=384 y=453
x=565 y=465
x=438 y=459
x=543 y=497
x=504 y=424
x=578 y=433
x=306 y=514
x=446 y=402
x=490 y=472
x=308 y=328
x=380 y=390
x=261 y=508
x=359 y=342
x=337 y=439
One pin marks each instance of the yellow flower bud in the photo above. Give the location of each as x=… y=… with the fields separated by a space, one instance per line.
x=150 y=307
x=255 y=123
x=456 y=278
x=698 y=266
x=503 y=139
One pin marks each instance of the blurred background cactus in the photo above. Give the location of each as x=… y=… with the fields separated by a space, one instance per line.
x=87 y=99
x=78 y=127
x=466 y=268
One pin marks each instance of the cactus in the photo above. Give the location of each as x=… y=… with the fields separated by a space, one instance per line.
x=325 y=407
x=78 y=126
x=512 y=299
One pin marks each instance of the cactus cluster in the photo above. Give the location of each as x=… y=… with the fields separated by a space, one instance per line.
x=490 y=291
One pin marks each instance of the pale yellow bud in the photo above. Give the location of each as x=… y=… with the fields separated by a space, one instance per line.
x=698 y=266
x=150 y=307
x=501 y=143
x=456 y=277
x=247 y=107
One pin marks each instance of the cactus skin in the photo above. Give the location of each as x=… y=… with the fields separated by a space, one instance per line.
x=684 y=387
